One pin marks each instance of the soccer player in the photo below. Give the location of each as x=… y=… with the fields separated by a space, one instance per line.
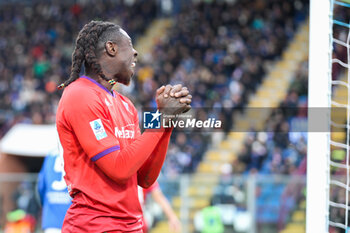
x=105 y=155
x=53 y=193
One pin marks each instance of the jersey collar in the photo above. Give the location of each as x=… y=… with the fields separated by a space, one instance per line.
x=98 y=84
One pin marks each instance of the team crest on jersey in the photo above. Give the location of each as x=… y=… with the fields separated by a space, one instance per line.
x=98 y=129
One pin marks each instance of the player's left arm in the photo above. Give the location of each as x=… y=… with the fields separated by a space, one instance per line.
x=150 y=170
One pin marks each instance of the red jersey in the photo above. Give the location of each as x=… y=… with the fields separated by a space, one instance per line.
x=93 y=122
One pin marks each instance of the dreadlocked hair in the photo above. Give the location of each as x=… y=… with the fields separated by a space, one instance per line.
x=85 y=49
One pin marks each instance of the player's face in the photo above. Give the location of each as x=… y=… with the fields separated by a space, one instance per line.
x=126 y=60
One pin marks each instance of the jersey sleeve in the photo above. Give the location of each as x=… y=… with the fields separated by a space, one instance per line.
x=91 y=125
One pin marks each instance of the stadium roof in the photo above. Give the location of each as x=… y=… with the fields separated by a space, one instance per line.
x=29 y=140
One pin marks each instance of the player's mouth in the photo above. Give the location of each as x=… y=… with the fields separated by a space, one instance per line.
x=133 y=64
x=132 y=68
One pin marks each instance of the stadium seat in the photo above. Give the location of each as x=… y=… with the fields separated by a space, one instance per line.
x=298 y=216
x=294 y=228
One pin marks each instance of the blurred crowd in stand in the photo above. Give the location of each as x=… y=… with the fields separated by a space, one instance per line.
x=221 y=52
x=36 y=43
x=281 y=148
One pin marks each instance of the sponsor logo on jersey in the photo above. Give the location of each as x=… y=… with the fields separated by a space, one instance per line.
x=125 y=131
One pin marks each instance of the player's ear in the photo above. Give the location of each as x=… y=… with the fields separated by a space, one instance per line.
x=111 y=48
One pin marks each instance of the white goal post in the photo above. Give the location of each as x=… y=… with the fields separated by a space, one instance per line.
x=320 y=41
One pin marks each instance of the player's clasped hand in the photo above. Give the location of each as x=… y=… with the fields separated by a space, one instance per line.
x=173 y=100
